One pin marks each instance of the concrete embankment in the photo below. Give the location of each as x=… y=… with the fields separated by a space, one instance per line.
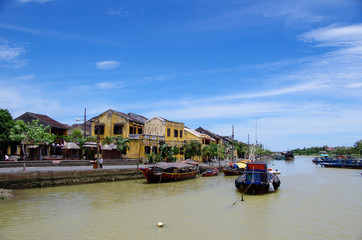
x=35 y=177
x=46 y=177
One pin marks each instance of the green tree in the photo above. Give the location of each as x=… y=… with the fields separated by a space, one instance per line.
x=122 y=144
x=192 y=148
x=153 y=158
x=108 y=140
x=357 y=148
x=6 y=123
x=31 y=133
x=168 y=152
x=18 y=134
x=211 y=151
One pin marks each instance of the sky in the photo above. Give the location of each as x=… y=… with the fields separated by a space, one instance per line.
x=284 y=73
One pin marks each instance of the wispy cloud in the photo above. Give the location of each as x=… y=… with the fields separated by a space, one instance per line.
x=111 y=85
x=107 y=65
x=37 y=1
x=24 y=77
x=61 y=35
x=119 y=12
x=354 y=85
x=336 y=36
x=11 y=53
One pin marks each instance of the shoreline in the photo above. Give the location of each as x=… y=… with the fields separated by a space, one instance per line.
x=38 y=177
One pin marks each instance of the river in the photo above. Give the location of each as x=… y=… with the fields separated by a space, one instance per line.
x=311 y=203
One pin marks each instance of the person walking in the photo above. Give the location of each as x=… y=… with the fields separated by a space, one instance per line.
x=101 y=163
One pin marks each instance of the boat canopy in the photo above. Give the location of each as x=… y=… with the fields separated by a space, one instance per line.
x=168 y=165
x=256 y=166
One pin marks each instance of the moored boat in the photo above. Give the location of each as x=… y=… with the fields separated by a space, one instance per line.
x=257 y=179
x=235 y=168
x=288 y=155
x=169 y=172
x=274 y=171
x=211 y=172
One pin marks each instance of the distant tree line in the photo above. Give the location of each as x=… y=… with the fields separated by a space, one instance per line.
x=355 y=150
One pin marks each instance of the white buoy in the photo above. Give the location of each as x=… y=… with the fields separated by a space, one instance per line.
x=160 y=224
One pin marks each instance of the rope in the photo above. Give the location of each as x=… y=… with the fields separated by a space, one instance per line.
x=242 y=199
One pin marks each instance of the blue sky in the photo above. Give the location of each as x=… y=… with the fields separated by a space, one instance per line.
x=291 y=68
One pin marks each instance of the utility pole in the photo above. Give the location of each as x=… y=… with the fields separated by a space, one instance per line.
x=85 y=120
x=232 y=142
x=98 y=143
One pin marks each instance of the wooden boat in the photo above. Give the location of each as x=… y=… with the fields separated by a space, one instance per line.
x=229 y=171
x=288 y=155
x=169 y=172
x=236 y=168
x=257 y=179
x=211 y=172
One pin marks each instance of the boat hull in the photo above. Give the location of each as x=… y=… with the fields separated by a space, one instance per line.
x=210 y=173
x=159 y=177
x=253 y=188
x=232 y=172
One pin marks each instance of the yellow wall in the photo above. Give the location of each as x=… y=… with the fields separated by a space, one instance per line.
x=109 y=119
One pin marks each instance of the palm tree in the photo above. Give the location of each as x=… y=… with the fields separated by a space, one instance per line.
x=122 y=144
x=108 y=140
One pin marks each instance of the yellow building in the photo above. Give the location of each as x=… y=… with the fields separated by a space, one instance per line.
x=163 y=130
x=112 y=123
x=204 y=139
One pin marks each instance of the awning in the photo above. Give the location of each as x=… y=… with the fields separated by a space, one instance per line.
x=71 y=145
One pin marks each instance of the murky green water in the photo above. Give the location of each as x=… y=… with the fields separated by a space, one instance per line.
x=311 y=203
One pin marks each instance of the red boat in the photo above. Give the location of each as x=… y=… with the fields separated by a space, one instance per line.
x=169 y=172
x=211 y=172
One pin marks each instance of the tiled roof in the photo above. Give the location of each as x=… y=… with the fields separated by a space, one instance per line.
x=131 y=116
x=205 y=131
x=43 y=119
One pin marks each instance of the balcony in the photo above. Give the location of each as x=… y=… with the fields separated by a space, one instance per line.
x=135 y=136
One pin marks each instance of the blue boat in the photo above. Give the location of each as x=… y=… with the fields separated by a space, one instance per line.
x=342 y=161
x=257 y=179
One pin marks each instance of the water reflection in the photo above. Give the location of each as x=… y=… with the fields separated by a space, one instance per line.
x=312 y=202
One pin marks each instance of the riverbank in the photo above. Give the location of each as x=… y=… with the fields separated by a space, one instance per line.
x=37 y=177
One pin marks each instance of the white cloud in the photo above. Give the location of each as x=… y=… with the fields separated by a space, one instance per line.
x=354 y=85
x=25 y=77
x=107 y=65
x=10 y=52
x=37 y=1
x=111 y=85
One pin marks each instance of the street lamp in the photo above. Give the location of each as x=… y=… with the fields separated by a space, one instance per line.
x=85 y=120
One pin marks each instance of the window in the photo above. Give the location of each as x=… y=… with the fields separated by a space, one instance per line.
x=175 y=133
x=99 y=129
x=118 y=128
x=181 y=133
x=139 y=130
x=130 y=130
x=168 y=132
x=147 y=149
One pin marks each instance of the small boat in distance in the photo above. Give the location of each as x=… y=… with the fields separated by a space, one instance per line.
x=236 y=168
x=274 y=171
x=257 y=179
x=170 y=172
x=211 y=172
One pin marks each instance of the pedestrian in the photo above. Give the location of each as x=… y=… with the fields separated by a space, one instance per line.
x=101 y=163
